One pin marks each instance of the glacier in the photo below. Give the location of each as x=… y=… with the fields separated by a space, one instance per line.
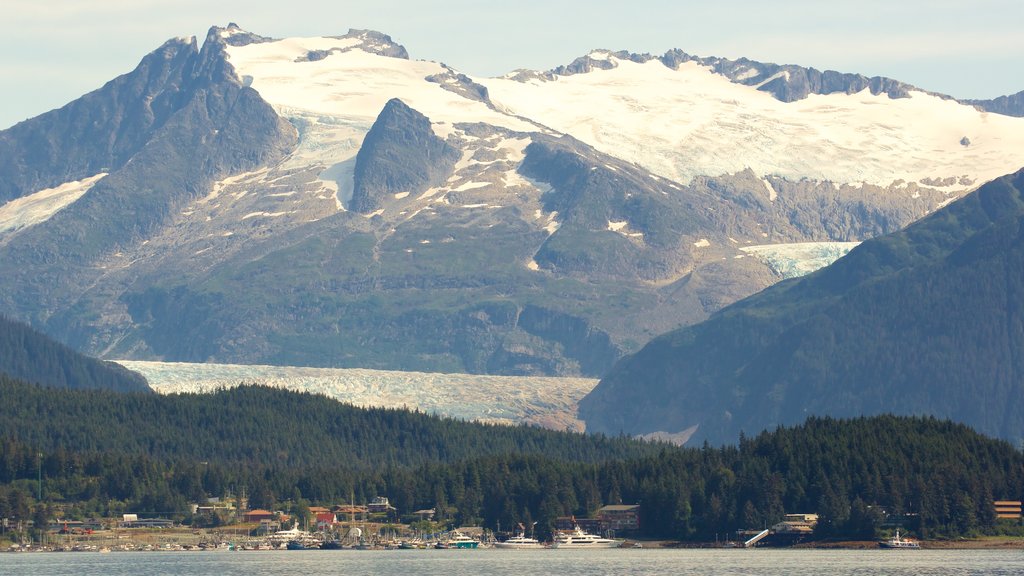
x=549 y=402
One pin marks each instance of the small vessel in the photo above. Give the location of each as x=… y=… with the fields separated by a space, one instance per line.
x=519 y=542
x=577 y=538
x=897 y=542
x=459 y=540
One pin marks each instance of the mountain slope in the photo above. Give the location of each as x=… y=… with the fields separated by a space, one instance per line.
x=27 y=355
x=924 y=321
x=331 y=202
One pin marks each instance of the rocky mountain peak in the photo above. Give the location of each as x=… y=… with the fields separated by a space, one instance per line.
x=400 y=154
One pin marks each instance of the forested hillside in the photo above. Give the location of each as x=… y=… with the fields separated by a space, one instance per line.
x=928 y=320
x=105 y=453
x=28 y=355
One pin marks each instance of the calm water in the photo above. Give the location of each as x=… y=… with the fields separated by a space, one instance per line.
x=521 y=562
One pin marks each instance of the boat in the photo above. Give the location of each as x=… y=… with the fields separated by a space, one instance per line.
x=577 y=538
x=519 y=542
x=459 y=540
x=901 y=543
x=293 y=539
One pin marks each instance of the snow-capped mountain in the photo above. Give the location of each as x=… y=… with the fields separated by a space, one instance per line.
x=332 y=202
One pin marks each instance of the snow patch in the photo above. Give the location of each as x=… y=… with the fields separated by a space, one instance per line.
x=264 y=215
x=471 y=186
x=702 y=243
x=772 y=194
x=38 y=207
x=401 y=195
x=532 y=265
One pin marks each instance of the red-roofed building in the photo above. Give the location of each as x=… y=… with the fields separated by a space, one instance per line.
x=324 y=520
x=258 y=515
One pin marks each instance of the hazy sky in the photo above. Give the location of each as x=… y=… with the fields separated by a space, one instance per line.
x=56 y=50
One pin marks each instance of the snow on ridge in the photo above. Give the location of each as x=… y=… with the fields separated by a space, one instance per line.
x=503 y=399
x=352 y=83
x=689 y=122
x=799 y=259
x=772 y=194
x=38 y=207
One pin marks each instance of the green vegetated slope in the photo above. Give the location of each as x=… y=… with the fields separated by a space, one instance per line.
x=31 y=356
x=925 y=321
x=284 y=448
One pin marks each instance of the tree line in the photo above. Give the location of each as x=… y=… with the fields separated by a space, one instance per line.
x=101 y=453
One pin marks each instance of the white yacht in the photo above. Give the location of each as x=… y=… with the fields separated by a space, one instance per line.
x=519 y=542
x=577 y=538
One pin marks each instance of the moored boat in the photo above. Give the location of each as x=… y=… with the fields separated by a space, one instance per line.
x=896 y=542
x=459 y=540
x=519 y=542
x=577 y=538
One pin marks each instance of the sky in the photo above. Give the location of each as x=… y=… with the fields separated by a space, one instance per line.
x=53 y=51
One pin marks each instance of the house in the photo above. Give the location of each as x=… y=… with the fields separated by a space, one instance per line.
x=620 y=517
x=379 y=505
x=796 y=524
x=427 y=514
x=324 y=520
x=258 y=516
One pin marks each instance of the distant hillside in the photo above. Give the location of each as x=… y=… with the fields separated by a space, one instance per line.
x=31 y=356
x=254 y=425
x=925 y=321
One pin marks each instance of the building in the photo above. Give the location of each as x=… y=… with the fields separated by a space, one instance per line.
x=796 y=524
x=325 y=520
x=258 y=516
x=620 y=517
x=379 y=505
x=426 y=514
x=268 y=526
x=350 y=512
x=147 y=522
x=1008 y=509
x=214 y=505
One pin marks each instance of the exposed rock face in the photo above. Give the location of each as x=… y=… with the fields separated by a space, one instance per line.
x=400 y=154
x=787 y=83
x=164 y=133
x=1012 y=105
x=923 y=321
